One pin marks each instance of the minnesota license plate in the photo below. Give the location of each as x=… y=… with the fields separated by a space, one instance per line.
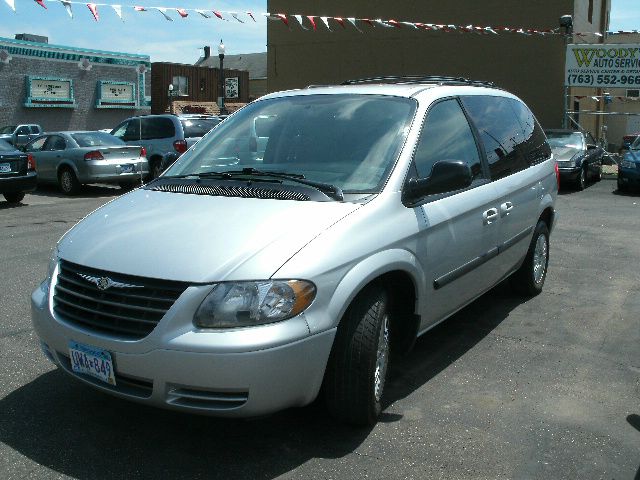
x=5 y=167
x=126 y=168
x=92 y=361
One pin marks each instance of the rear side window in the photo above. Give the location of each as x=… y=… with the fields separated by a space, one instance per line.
x=157 y=128
x=36 y=145
x=446 y=135
x=534 y=147
x=198 y=128
x=500 y=133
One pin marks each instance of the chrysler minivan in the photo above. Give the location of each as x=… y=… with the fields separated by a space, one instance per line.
x=239 y=286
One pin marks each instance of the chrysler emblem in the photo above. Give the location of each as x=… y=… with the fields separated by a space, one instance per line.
x=104 y=283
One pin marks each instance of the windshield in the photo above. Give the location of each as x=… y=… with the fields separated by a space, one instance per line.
x=96 y=139
x=636 y=144
x=7 y=130
x=567 y=140
x=350 y=141
x=198 y=127
x=6 y=147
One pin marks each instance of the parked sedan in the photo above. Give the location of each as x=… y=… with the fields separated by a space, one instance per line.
x=17 y=173
x=71 y=159
x=578 y=155
x=629 y=167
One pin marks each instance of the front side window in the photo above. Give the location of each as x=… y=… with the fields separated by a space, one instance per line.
x=500 y=133
x=446 y=135
x=180 y=86
x=350 y=141
x=55 y=143
x=23 y=131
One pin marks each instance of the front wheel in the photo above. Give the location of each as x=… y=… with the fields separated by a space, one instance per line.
x=582 y=179
x=357 y=369
x=529 y=278
x=621 y=186
x=598 y=176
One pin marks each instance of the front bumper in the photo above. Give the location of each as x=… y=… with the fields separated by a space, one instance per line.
x=24 y=183
x=280 y=366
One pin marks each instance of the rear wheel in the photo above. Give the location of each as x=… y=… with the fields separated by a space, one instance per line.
x=68 y=182
x=529 y=278
x=14 y=197
x=156 y=168
x=357 y=369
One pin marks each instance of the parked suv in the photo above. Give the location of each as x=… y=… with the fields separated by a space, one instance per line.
x=375 y=212
x=165 y=137
x=19 y=135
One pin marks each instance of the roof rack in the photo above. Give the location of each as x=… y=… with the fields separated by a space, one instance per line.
x=415 y=79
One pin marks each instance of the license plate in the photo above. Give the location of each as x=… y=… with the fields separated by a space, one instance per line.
x=5 y=167
x=127 y=168
x=92 y=361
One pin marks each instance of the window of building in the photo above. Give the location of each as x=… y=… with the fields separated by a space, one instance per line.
x=446 y=135
x=180 y=86
x=633 y=93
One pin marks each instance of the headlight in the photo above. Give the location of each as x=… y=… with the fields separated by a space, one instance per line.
x=627 y=164
x=53 y=263
x=242 y=304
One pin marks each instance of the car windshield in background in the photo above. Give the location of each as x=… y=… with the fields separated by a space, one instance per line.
x=7 y=129
x=6 y=147
x=567 y=140
x=198 y=127
x=636 y=144
x=96 y=139
x=350 y=141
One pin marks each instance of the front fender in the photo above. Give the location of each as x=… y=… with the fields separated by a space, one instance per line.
x=357 y=277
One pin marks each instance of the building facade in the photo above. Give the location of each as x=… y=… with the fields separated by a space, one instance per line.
x=68 y=88
x=531 y=66
x=254 y=63
x=195 y=88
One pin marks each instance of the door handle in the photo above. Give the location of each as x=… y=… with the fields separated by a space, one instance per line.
x=505 y=209
x=490 y=216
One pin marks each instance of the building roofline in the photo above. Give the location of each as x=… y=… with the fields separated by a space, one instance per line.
x=144 y=58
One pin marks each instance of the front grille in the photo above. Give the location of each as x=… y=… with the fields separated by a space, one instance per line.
x=130 y=307
x=230 y=191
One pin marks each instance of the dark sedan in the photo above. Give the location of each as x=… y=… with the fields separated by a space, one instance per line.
x=578 y=155
x=17 y=173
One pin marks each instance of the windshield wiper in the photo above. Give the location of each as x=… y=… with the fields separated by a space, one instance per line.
x=326 y=188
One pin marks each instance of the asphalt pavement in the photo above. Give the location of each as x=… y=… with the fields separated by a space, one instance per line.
x=507 y=388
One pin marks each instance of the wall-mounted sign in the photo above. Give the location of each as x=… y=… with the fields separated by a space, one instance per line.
x=49 y=92
x=50 y=89
x=116 y=94
x=231 y=87
x=603 y=65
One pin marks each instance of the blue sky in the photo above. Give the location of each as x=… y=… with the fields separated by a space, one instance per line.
x=178 y=41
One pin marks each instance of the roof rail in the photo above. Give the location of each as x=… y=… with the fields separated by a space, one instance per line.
x=416 y=79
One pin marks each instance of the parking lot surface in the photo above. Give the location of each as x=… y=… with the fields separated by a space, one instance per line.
x=507 y=388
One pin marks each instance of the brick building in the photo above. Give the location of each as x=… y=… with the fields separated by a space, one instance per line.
x=68 y=88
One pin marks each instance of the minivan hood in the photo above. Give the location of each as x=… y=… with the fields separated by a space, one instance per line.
x=197 y=238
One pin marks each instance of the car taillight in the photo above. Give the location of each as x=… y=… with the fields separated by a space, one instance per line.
x=558 y=175
x=143 y=152
x=94 y=155
x=180 y=146
x=31 y=163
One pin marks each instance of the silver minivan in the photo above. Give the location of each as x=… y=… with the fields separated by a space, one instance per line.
x=242 y=285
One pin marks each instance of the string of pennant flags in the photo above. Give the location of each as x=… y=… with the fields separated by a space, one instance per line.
x=312 y=22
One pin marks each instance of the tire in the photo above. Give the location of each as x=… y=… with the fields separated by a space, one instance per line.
x=598 y=176
x=358 y=364
x=14 y=197
x=581 y=183
x=529 y=278
x=156 y=169
x=621 y=186
x=67 y=181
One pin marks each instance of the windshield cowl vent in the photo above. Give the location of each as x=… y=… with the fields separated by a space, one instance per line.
x=230 y=191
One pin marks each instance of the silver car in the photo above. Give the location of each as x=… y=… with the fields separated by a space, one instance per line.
x=72 y=159
x=374 y=212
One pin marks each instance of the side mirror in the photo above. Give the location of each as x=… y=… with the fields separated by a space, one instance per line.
x=446 y=176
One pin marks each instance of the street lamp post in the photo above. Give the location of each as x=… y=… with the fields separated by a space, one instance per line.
x=223 y=111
